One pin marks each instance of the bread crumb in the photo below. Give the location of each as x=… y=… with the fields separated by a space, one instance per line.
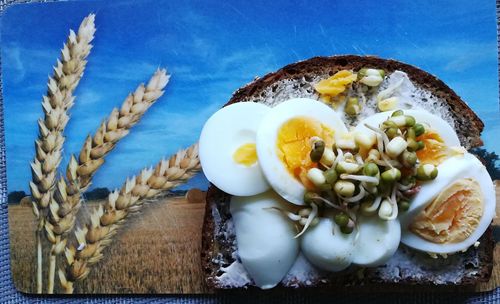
x=360 y=273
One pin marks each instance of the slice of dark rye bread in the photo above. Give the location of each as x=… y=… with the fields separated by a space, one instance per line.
x=219 y=248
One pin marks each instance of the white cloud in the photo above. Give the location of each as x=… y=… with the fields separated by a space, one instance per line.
x=18 y=59
x=13 y=60
x=474 y=55
x=88 y=96
x=451 y=56
x=190 y=46
x=112 y=68
x=29 y=114
x=183 y=123
x=233 y=66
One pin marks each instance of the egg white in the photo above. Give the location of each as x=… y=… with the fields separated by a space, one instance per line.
x=457 y=167
x=439 y=125
x=448 y=171
x=266 y=239
x=223 y=133
x=377 y=241
x=326 y=247
x=274 y=170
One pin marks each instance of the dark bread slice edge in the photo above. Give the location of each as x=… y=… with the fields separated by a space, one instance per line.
x=217 y=248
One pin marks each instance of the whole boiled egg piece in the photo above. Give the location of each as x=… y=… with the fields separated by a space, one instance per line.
x=377 y=241
x=284 y=143
x=439 y=137
x=450 y=170
x=227 y=149
x=266 y=239
x=326 y=247
x=451 y=213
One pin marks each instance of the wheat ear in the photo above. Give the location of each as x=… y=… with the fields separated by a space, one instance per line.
x=67 y=196
x=55 y=104
x=105 y=220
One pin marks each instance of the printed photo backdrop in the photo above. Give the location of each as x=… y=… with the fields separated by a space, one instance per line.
x=211 y=48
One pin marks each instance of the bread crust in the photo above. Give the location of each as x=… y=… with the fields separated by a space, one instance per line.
x=475 y=265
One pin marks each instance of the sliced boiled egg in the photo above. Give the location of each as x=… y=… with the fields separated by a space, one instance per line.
x=377 y=241
x=450 y=213
x=266 y=239
x=439 y=138
x=228 y=152
x=284 y=142
x=326 y=247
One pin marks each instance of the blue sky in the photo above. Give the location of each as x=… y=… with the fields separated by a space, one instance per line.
x=212 y=48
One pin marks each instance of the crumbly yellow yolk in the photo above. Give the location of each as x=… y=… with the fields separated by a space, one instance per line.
x=246 y=155
x=294 y=145
x=435 y=150
x=453 y=215
x=336 y=84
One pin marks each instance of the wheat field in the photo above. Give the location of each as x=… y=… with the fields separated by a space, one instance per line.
x=157 y=252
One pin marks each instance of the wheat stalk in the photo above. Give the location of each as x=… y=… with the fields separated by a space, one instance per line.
x=55 y=104
x=105 y=220
x=67 y=196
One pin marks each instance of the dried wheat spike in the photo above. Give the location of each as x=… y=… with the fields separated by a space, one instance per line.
x=67 y=197
x=105 y=220
x=117 y=126
x=56 y=104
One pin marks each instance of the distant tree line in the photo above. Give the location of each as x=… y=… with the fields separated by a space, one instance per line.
x=15 y=197
x=96 y=194
x=491 y=161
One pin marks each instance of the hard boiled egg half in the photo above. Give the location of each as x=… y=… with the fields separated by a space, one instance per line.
x=266 y=239
x=439 y=138
x=228 y=153
x=371 y=244
x=451 y=213
x=284 y=141
x=326 y=247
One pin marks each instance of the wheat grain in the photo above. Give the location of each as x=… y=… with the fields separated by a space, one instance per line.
x=55 y=104
x=118 y=125
x=67 y=197
x=79 y=173
x=105 y=220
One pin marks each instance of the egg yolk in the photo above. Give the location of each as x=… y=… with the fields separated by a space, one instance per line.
x=336 y=84
x=294 y=145
x=246 y=155
x=453 y=215
x=435 y=151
